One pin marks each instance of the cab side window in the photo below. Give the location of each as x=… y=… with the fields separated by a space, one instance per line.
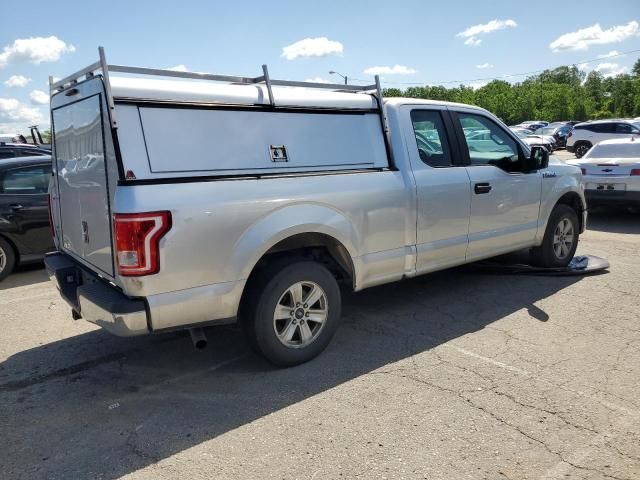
x=488 y=143
x=431 y=138
x=27 y=180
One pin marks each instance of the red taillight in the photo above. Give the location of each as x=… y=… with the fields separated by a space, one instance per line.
x=635 y=171
x=137 y=238
x=51 y=230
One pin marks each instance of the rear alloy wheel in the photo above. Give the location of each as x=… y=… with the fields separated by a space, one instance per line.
x=291 y=311
x=300 y=314
x=7 y=259
x=560 y=238
x=582 y=149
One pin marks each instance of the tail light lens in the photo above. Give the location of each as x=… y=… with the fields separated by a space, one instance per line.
x=635 y=172
x=137 y=241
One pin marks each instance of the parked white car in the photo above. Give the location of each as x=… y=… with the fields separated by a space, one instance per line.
x=211 y=198
x=611 y=172
x=587 y=134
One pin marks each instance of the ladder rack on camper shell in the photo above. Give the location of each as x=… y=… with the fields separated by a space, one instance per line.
x=101 y=65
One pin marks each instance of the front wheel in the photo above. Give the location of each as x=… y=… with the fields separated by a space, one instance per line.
x=560 y=238
x=291 y=312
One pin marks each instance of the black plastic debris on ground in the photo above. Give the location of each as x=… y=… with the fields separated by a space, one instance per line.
x=580 y=265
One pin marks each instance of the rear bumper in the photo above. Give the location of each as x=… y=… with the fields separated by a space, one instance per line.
x=95 y=300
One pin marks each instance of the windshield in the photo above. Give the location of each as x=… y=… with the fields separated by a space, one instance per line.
x=616 y=150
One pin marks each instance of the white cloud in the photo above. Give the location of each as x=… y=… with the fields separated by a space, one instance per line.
x=385 y=70
x=612 y=53
x=317 y=80
x=35 y=50
x=473 y=41
x=38 y=97
x=17 y=81
x=484 y=65
x=312 y=47
x=488 y=27
x=179 y=68
x=594 y=35
x=13 y=112
x=610 y=69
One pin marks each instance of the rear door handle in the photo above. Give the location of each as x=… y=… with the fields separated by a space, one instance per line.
x=481 y=188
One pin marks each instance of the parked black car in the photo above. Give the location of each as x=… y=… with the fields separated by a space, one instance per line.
x=13 y=150
x=559 y=132
x=24 y=211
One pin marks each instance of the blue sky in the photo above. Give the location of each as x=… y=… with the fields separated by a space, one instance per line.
x=413 y=41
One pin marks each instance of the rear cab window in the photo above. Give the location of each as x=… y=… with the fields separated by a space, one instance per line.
x=431 y=138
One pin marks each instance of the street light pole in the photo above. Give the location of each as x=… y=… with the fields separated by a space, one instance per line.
x=332 y=72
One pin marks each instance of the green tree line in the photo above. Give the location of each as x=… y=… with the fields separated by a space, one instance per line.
x=564 y=93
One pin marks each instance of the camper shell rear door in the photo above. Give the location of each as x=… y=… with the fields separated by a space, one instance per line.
x=86 y=172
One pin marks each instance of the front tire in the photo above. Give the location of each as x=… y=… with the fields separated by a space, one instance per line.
x=7 y=259
x=560 y=239
x=291 y=312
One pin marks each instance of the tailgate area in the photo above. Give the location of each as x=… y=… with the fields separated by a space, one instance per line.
x=96 y=300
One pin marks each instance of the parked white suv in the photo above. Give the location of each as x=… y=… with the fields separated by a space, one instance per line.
x=586 y=135
x=206 y=202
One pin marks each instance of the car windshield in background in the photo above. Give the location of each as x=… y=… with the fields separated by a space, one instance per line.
x=615 y=150
x=522 y=132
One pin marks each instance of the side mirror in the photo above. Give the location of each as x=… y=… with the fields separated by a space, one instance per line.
x=538 y=160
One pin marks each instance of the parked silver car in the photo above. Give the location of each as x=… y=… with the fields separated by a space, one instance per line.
x=253 y=199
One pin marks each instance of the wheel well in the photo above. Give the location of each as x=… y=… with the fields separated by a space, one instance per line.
x=573 y=200
x=318 y=247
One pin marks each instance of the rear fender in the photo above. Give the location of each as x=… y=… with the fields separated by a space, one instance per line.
x=287 y=222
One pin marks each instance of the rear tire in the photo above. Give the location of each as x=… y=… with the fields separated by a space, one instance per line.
x=291 y=311
x=7 y=259
x=560 y=239
x=581 y=148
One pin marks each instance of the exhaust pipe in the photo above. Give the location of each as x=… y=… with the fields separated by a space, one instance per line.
x=198 y=338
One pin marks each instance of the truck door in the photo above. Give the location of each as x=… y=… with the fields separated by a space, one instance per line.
x=505 y=200
x=442 y=184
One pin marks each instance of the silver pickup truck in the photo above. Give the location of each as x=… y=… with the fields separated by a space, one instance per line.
x=181 y=200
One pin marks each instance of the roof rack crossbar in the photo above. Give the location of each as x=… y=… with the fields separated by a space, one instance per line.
x=102 y=65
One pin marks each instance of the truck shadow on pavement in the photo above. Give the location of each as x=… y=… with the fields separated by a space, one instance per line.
x=96 y=406
x=614 y=220
x=25 y=275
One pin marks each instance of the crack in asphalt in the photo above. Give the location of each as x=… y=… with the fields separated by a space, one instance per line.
x=513 y=427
